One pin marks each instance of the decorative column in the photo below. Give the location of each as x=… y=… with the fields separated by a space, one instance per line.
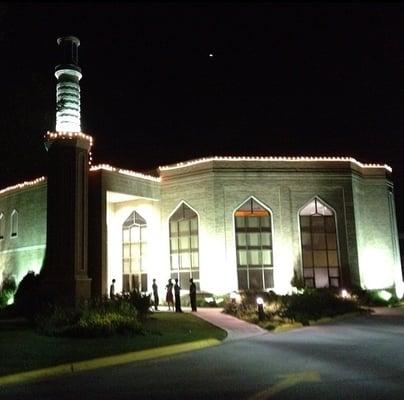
x=65 y=272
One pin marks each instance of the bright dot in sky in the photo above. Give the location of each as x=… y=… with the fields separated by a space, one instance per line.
x=210 y=54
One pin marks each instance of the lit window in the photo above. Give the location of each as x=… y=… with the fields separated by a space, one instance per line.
x=134 y=243
x=254 y=246
x=14 y=223
x=184 y=248
x=2 y=226
x=319 y=245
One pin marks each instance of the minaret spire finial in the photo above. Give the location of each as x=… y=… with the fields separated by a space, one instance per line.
x=68 y=74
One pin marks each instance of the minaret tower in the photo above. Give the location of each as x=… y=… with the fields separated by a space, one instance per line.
x=68 y=74
x=65 y=271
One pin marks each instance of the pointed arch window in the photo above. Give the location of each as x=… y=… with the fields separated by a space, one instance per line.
x=2 y=226
x=184 y=245
x=254 y=246
x=319 y=245
x=14 y=224
x=134 y=242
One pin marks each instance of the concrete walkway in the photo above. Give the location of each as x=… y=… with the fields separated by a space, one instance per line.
x=236 y=328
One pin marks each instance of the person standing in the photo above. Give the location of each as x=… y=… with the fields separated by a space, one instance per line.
x=112 y=289
x=192 y=294
x=177 y=291
x=169 y=295
x=155 y=295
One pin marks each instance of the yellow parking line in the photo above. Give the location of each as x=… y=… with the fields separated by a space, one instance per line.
x=106 y=361
x=286 y=382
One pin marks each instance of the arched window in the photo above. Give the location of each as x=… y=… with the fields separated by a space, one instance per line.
x=184 y=248
x=254 y=246
x=134 y=251
x=14 y=224
x=319 y=245
x=2 y=226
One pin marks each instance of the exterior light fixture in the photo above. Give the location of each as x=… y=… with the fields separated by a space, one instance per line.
x=209 y=300
x=235 y=297
x=384 y=295
x=260 y=306
x=345 y=294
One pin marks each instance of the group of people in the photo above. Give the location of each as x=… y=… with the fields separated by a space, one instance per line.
x=169 y=294
x=177 y=291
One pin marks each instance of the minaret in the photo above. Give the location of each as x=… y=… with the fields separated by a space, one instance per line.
x=68 y=75
x=65 y=271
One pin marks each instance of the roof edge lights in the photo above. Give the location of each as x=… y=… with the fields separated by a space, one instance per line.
x=23 y=184
x=287 y=159
x=69 y=135
x=107 y=167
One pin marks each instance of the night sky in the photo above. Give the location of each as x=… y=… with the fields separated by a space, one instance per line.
x=302 y=79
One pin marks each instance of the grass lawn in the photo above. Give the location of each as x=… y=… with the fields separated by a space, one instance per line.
x=22 y=349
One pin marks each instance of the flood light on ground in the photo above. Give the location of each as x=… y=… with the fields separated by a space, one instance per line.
x=209 y=299
x=295 y=290
x=384 y=295
x=235 y=297
x=260 y=306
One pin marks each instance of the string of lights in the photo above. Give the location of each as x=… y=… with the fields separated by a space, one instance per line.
x=282 y=159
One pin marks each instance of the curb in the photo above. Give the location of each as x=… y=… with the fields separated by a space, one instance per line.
x=109 y=361
x=313 y=323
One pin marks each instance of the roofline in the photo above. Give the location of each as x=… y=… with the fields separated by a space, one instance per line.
x=110 y=168
x=266 y=159
x=23 y=184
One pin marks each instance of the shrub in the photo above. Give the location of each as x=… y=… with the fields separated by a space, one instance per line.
x=203 y=299
x=100 y=318
x=98 y=324
x=247 y=308
x=29 y=299
x=314 y=304
x=57 y=321
x=141 y=302
x=297 y=281
x=7 y=291
x=369 y=298
x=241 y=310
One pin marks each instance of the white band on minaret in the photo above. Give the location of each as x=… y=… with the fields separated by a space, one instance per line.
x=68 y=75
x=68 y=101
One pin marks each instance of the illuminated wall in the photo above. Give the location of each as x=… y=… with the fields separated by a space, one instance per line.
x=361 y=198
x=215 y=188
x=376 y=230
x=25 y=251
x=114 y=194
x=117 y=212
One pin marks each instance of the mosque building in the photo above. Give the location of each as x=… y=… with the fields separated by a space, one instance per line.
x=230 y=223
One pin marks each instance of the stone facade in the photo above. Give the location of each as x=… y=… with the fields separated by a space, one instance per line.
x=26 y=250
x=360 y=197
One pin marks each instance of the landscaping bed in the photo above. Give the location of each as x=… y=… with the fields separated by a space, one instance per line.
x=282 y=312
x=22 y=348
